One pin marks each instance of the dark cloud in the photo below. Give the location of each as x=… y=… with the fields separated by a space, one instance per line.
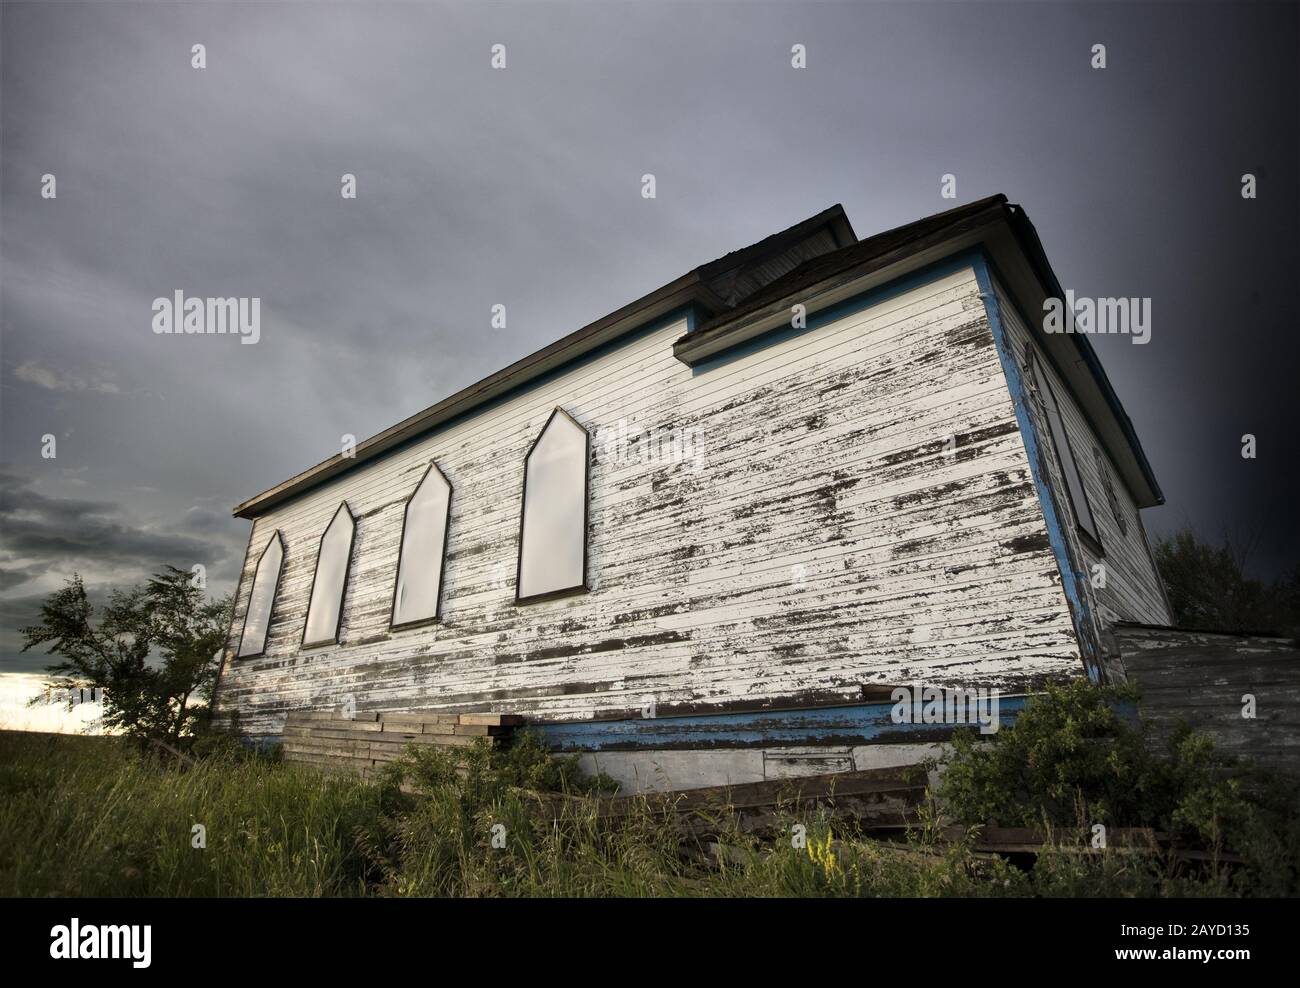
x=18 y=575
x=522 y=187
x=48 y=539
x=63 y=529
x=17 y=613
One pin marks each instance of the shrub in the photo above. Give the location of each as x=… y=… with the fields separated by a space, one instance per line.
x=1073 y=759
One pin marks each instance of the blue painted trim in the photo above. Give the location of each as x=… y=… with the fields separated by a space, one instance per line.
x=856 y=303
x=1073 y=579
x=695 y=316
x=869 y=723
x=1052 y=285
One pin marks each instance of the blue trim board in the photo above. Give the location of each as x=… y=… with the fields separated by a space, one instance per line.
x=1052 y=286
x=869 y=723
x=1073 y=579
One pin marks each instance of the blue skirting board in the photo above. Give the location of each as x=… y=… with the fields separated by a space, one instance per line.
x=867 y=723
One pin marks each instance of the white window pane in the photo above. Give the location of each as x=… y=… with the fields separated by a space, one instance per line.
x=419 y=565
x=552 y=549
x=261 y=598
x=331 y=574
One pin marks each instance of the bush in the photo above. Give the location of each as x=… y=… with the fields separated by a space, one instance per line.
x=1073 y=759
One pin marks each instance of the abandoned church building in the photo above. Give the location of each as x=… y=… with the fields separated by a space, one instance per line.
x=702 y=539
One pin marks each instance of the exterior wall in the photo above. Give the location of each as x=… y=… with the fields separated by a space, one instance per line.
x=1133 y=590
x=820 y=541
x=1203 y=678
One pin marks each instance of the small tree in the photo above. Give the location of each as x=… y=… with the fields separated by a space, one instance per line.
x=153 y=650
x=1208 y=588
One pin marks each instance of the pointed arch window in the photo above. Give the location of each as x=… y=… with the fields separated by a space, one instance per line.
x=261 y=598
x=422 y=558
x=325 y=609
x=553 y=523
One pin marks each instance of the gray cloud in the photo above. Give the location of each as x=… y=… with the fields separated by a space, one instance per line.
x=67 y=528
x=522 y=187
x=33 y=372
x=48 y=539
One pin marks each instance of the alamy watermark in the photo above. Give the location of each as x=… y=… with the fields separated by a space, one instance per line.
x=77 y=942
x=622 y=445
x=70 y=696
x=932 y=705
x=1078 y=314
x=179 y=315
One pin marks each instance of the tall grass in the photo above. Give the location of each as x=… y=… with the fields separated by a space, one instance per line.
x=95 y=817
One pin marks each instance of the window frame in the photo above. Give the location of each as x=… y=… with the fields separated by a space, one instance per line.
x=584 y=586
x=393 y=624
x=275 y=590
x=1110 y=490
x=343 y=589
x=1044 y=392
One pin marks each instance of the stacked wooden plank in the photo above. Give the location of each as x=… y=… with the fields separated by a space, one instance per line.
x=1203 y=677
x=878 y=800
x=366 y=740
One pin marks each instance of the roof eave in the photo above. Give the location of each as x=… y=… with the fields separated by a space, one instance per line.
x=1028 y=237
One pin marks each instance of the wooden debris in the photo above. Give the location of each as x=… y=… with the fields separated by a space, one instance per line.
x=367 y=741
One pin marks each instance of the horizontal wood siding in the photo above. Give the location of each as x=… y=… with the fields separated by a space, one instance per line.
x=1203 y=679
x=1132 y=591
x=819 y=540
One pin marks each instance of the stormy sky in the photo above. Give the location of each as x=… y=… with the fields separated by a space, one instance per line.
x=522 y=187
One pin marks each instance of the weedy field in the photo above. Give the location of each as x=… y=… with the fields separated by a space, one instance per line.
x=100 y=817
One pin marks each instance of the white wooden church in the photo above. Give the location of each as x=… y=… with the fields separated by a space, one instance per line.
x=704 y=537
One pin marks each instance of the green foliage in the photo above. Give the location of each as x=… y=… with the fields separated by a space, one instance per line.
x=1208 y=588
x=1064 y=747
x=152 y=650
x=96 y=816
x=99 y=817
x=488 y=821
x=1072 y=760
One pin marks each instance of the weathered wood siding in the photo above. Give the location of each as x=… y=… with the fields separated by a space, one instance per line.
x=1202 y=679
x=821 y=538
x=1132 y=590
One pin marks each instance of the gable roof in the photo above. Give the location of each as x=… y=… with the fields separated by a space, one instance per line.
x=732 y=296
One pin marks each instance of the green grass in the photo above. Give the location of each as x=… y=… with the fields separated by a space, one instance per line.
x=95 y=817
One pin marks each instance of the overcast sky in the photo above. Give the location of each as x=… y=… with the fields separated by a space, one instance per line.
x=522 y=187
